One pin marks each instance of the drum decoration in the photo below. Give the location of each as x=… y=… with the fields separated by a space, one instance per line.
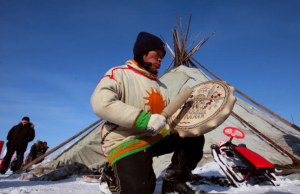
x=209 y=105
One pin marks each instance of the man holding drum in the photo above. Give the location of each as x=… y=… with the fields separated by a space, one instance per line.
x=131 y=98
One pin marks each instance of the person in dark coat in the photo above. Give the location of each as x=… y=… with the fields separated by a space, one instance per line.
x=18 y=138
x=38 y=149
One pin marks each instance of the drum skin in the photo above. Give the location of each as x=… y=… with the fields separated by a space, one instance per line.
x=209 y=105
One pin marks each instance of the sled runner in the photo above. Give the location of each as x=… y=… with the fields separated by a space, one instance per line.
x=235 y=159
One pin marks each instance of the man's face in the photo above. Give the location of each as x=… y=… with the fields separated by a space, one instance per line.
x=155 y=58
x=24 y=122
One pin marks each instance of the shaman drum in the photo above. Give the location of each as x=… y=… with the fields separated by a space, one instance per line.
x=209 y=106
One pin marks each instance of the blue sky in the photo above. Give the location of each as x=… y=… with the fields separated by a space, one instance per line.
x=53 y=53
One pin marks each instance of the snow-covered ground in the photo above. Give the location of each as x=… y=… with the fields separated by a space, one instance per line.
x=13 y=185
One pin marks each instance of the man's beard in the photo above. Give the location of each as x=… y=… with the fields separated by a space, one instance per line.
x=147 y=66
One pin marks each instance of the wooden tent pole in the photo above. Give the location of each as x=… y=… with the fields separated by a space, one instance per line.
x=56 y=148
x=169 y=65
x=175 y=47
x=266 y=138
x=259 y=105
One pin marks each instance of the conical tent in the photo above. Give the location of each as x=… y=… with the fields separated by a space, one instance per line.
x=285 y=136
x=261 y=130
x=85 y=150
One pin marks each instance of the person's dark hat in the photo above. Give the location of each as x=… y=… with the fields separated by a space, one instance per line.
x=45 y=144
x=147 y=42
x=26 y=118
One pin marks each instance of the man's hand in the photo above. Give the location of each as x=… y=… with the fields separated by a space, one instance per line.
x=156 y=123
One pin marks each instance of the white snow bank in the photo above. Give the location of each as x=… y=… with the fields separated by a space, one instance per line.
x=13 y=185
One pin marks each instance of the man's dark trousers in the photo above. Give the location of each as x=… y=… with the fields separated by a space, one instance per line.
x=7 y=159
x=134 y=173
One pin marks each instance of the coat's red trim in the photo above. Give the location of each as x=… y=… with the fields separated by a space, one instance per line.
x=140 y=73
x=106 y=76
x=112 y=71
x=133 y=61
x=130 y=68
x=112 y=77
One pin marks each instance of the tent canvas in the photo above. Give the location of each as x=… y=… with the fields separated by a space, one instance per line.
x=87 y=149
